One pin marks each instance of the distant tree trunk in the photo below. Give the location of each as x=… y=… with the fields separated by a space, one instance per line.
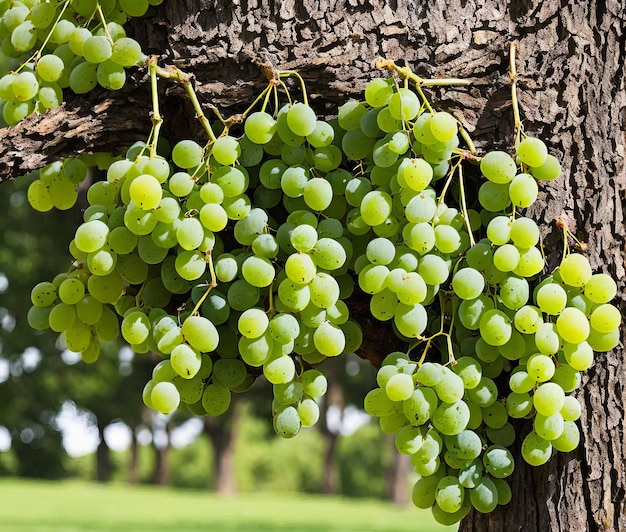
x=223 y=432
x=133 y=455
x=571 y=92
x=161 y=475
x=103 y=459
x=334 y=398
x=398 y=478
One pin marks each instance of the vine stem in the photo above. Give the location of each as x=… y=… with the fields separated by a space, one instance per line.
x=157 y=119
x=514 y=103
x=184 y=79
x=210 y=286
x=464 y=206
x=293 y=73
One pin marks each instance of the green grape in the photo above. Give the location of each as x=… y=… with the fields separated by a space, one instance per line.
x=536 y=450
x=377 y=92
x=569 y=438
x=484 y=496
x=575 y=270
x=44 y=294
x=468 y=368
x=415 y=174
x=549 y=427
x=164 y=397
x=404 y=104
x=519 y=405
x=399 y=387
x=230 y=372
x=279 y=369
x=494 y=197
x=548 y=399
x=572 y=325
x=451 y=418
x=605 y=318
x=449 y=494
x=523 y=190
x=506 y=258
x=126 y=52
x=549 y=170
x=260 y=127
x=450 y=387
x=498 y=167
x=578 y=356
x=524 y=233
x=600 y=288
x=532 y=151
x=253 y=322
x=551 y=298
x=301 y=119
x=498 y=461
x=495 y=327
x=187 y=154
x=287 y=421
x=216 y=399
x=309 y=412
x=468 y=283
x=200 y=333
x=540 y=367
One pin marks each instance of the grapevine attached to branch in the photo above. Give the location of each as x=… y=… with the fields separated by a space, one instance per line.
x=243 y=255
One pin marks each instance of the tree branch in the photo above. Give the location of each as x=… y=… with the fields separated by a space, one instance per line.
x=99 y=123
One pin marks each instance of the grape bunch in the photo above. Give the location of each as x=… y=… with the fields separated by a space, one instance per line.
x=50 y=46
x=238 y=258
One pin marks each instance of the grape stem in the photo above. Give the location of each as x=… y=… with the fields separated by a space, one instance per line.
x=287 y=73
x=514 y=102
x=37 y=54
x=156 y=118
x=210 y=286
x=407 y=73
x=104 y=22
x=464 y=206
x=184 y=79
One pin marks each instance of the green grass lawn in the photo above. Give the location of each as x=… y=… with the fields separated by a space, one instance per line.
x=73 y=506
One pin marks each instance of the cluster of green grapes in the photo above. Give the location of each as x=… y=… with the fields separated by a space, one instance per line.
x=190 y=256
x=454 y=419
x=238 y=259
x=50 y=46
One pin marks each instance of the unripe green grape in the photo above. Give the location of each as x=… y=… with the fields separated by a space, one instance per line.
x=443 y=126
x=575 y=270
x=404 y=104
x=216 y=399
x=498 y=166
x=532 y=151
x=378 y=91
x=549 y=170
x=572 y=325
x=110 y=75
x=301 y=119
x=83 y=77
x=126 y=52
x=287 y=422
x=605 y=318
x=187 y=154
x=600 y=288
x=523 y=190
x=200 y=333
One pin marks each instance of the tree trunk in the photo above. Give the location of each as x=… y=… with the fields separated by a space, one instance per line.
x=103 y=460
x=133 y=456
x=571 y=58
x=223 y=431
x=333 y=398
x=398 y=479
x=161 y=474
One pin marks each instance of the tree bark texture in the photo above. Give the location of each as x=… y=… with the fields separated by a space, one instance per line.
x=571 y=58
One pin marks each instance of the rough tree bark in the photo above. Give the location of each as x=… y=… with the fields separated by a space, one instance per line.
x=571 y=92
